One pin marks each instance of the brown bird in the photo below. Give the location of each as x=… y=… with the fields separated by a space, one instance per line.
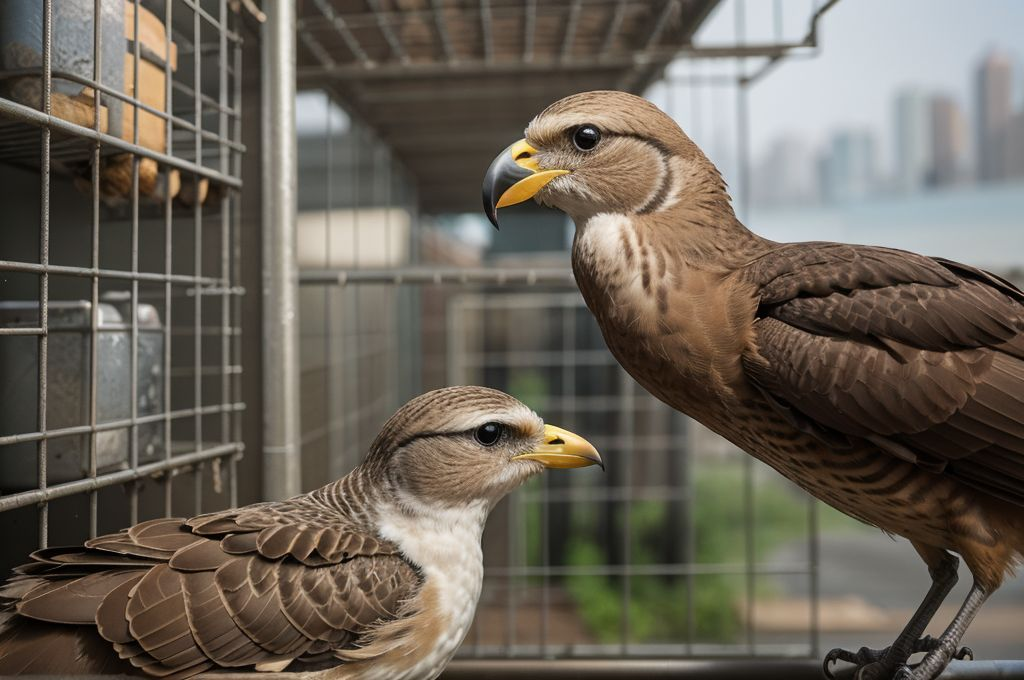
x=888 y=384
x=380 y=569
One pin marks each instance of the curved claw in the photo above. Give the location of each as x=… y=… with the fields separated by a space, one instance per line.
x=862 y=657
x=826 y=665
x=832 y=658
x=873 y=662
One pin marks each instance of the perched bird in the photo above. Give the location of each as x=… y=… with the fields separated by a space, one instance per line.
x=888 y=384
x=380 y=569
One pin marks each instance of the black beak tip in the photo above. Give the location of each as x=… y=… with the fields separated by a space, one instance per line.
x=502 y=174
x=491 y=211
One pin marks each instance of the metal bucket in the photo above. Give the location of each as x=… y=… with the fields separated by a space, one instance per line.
x=69 y=384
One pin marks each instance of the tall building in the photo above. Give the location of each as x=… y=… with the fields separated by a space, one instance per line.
x=993 y=91
x=913 y=151
x=948 y=142
x=848 y=167
x=1015 y=145
x=785 y=174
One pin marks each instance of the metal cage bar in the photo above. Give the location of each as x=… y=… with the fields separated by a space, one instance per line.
x=355 y=286
x=129 y=269
x=44 y=260
x=281 y=451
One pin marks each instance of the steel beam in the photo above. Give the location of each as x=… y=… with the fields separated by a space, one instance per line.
x=384 y=25
x=483 y=67
x=281 y=411
x=340 y=25
x=642 y=59
x=437 y=275
x=529 y=29
x=613 y=28
x=485 y=29
x=706 y=669
x=442 y=31
x=570 y=29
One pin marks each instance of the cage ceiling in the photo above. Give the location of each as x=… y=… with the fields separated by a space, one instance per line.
x=448 y=83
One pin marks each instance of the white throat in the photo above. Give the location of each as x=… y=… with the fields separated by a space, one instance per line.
x=445 y=544
x=428 y=534
x=629 y=272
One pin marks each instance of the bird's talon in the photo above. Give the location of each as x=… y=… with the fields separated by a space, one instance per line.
x=864 y=658
x=879 y=664
x=903 y=672
x=830 y=660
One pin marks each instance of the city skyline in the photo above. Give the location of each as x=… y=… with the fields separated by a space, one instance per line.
x=934 y=141
x=933 y=44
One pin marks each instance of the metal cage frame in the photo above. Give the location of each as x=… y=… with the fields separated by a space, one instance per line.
x=501 y=282
x=203 y=144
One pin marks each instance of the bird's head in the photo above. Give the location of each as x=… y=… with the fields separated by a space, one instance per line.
x=600 y=152
x=460 y=445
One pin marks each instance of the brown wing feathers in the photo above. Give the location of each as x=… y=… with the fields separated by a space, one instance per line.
x=176 y=597
x=924 y=357
x=73 y=600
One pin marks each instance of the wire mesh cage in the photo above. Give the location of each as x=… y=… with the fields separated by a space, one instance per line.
x=395 y=302
x=400 y=294
x=122 y=361
x=120 y=133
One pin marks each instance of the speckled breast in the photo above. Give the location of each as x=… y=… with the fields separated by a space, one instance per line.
x=862 y=481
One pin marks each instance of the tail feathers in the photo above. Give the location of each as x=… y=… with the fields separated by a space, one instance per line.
x=34 y=647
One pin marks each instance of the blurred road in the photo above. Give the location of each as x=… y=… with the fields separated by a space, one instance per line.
x=883 y=581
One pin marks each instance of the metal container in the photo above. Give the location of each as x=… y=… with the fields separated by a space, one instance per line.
x=69 y=382
x=21 y=50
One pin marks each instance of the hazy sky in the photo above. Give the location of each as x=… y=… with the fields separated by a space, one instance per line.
x=870 y=50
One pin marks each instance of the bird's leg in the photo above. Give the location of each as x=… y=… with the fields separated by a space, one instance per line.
x=947 y=645
x=942 y=567
x=882 y=663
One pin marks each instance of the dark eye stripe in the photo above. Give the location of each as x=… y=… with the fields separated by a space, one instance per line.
x=666 y=179
x=506 y=429
x=420 y=435
x=664 y=150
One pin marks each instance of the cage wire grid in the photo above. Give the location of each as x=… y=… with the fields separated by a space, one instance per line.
x=380 y=322
x=383 y=318
x=179 y=317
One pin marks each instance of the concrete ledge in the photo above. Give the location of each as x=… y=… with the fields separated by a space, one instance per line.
x=642 y=669
x=712 y=669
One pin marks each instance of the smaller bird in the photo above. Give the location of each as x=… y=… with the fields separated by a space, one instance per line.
x=380 y=570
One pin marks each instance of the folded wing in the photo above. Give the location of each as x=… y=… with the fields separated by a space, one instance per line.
x=176 y=597
x=923 y=357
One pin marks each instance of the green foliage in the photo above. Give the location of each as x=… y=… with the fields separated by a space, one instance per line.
x=530 y=387
x=658 y=604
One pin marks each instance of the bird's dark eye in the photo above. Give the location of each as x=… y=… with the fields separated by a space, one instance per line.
x=586 y=137
x=489 y=433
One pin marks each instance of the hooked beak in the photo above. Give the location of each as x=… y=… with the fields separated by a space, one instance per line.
x=514 y=177
x=563 y=449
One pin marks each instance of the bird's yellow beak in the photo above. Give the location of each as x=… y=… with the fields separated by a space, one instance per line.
x=514 y=177
x=563 y=449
